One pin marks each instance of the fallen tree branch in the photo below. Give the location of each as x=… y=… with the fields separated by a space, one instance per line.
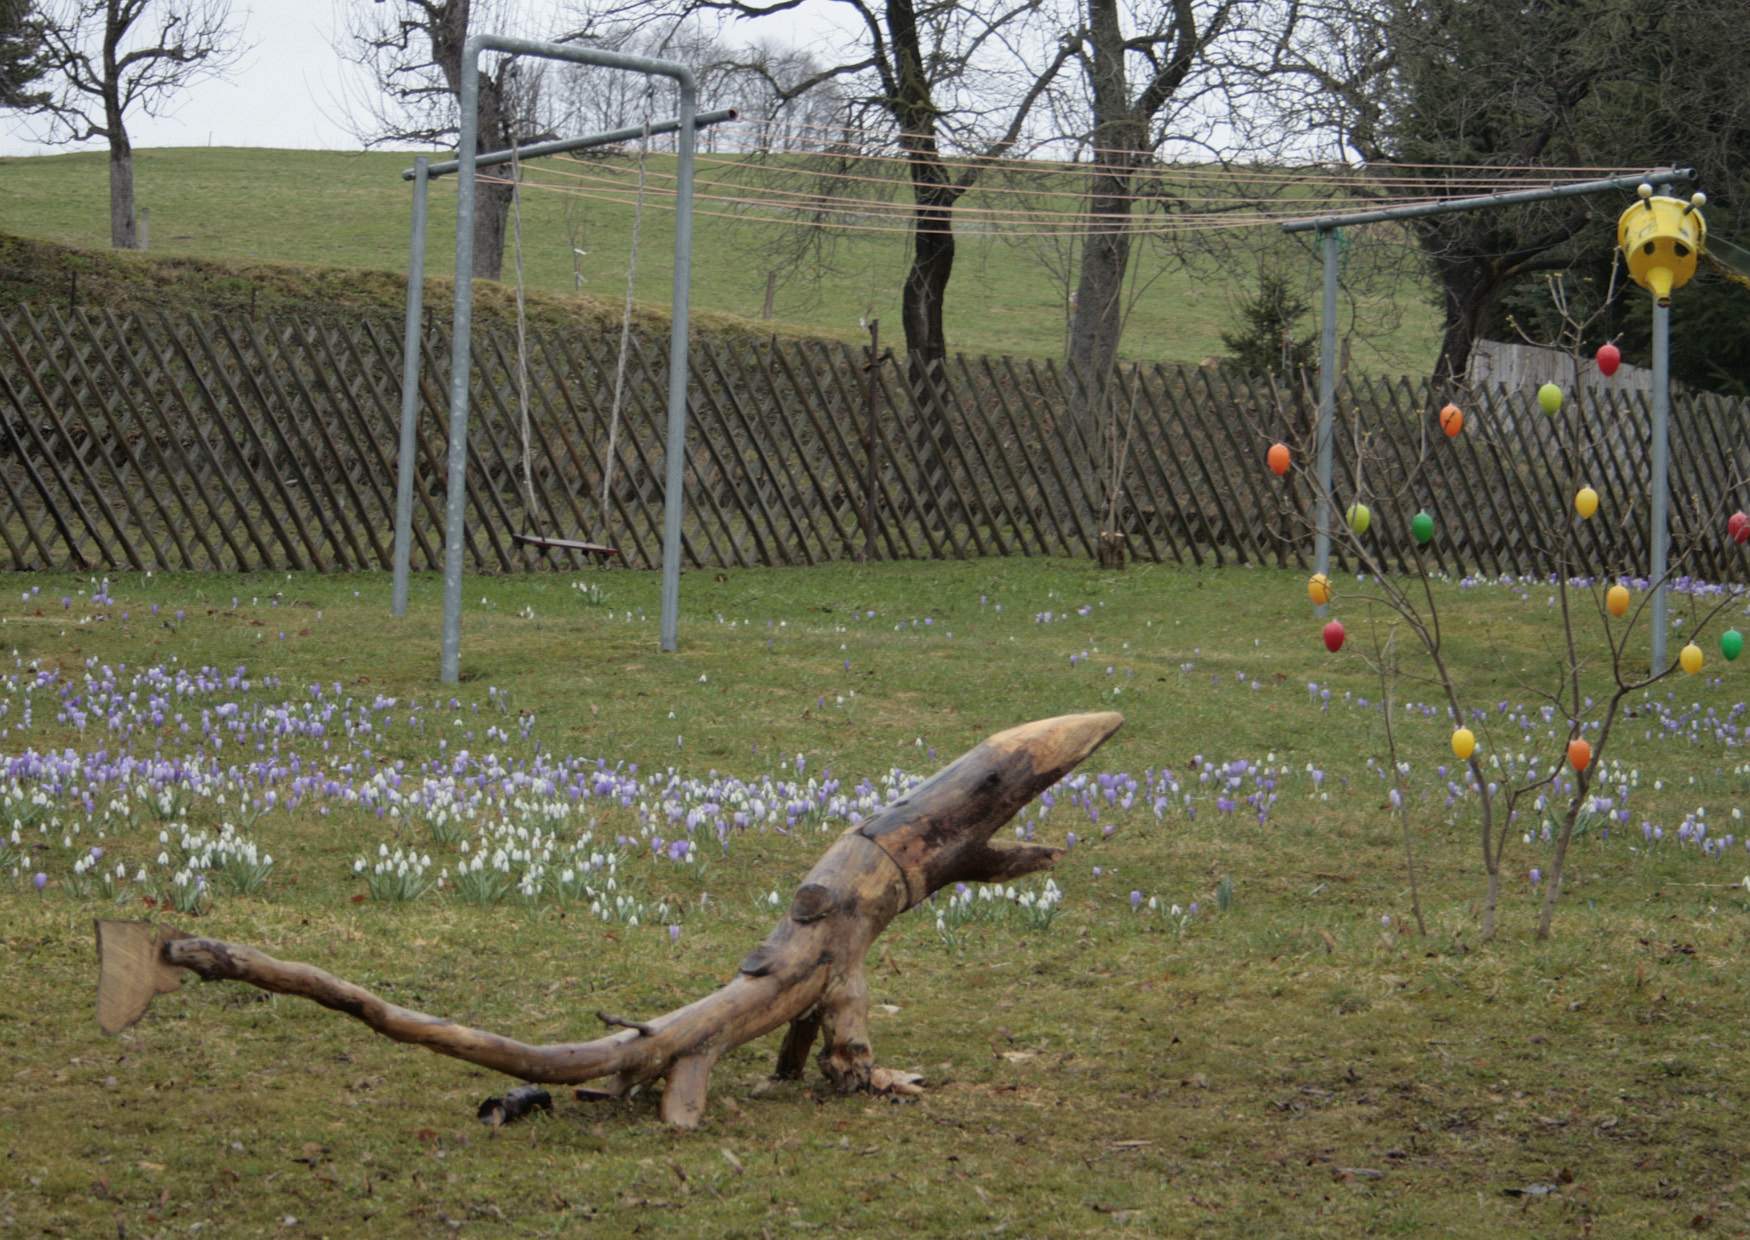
x=808 y=973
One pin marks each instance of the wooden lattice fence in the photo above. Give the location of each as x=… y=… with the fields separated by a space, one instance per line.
x=184 y=442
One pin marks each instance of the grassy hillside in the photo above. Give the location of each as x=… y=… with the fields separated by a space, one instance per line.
x=342 y=219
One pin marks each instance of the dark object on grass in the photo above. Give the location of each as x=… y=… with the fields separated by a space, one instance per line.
x=807 y=974
x=514 y=1105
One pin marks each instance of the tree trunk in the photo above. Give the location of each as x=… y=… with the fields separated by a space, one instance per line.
x=1119 y=131
x=921 y=315
x=926 y=284
x=121 y=186
x=1099 y=314
x=1469 y=287
x=808 y=973
x=491 y=210
x=495 y=131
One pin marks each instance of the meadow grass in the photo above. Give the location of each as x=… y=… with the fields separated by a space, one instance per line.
x=1288 y=1059
x=338 y=212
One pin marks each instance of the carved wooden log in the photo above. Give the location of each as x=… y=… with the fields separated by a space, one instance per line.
x=808 y=973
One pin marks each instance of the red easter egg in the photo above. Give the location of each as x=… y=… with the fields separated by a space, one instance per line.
x=1334 y=635
x=1277 y=459
x=1452 y=421
x=1580 y=754
x=1738 y=526
x=1609 y=358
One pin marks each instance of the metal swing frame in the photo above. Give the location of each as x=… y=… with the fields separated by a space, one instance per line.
x=465 y=166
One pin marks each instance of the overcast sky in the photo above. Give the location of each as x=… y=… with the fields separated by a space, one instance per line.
x=289 y=91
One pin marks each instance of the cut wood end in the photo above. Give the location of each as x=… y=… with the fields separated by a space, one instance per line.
x=1061 y=742
x=131 y=970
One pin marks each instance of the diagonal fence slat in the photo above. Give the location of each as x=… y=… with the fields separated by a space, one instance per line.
x=166 y=441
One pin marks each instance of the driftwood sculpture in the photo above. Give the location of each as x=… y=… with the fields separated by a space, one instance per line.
x=808 y=973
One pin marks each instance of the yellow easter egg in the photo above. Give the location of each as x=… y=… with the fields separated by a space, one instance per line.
x=1690 y=658
x=1464 y=743
x=1616 y=601
x=1318 y=589
x=1586 y=502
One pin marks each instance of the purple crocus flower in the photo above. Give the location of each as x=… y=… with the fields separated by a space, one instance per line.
x=674 y=934
x=1136 y=899
x=41 y=880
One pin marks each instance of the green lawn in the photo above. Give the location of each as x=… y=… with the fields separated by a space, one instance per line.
x=247 y=207
x=1286 y=1061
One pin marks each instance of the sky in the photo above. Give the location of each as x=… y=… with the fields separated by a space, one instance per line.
x=289 y=92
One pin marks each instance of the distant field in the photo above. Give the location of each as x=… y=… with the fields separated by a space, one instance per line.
x=350 y=210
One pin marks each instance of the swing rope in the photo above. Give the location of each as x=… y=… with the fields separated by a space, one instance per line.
x=626 y=319
x=516 y=202
x=522 y=344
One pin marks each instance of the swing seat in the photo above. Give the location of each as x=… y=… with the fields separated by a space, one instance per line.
x=544 y=543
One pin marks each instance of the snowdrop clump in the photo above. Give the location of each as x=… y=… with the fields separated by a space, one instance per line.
x=396 y=876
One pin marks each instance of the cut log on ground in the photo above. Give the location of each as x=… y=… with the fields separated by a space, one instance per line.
x=809 y=972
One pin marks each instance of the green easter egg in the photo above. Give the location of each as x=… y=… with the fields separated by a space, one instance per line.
x=1422 y=528
x=1550 y=397
x=1731 y=644
x=1359 y=517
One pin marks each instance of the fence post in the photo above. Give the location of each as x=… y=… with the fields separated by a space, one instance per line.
x=871 y=439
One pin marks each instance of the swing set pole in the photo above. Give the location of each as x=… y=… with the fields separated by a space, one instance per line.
x=674 y=462
x=467 y=161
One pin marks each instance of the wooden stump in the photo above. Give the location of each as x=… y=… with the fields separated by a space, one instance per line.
x=809 y=973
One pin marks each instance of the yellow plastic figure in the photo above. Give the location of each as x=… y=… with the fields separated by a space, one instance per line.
x=1661 y=238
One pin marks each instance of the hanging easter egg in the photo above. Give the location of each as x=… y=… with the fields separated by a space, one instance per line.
x=1277 y=458
x=1586 y=502
x=1549 y=397
x=1452 y=421
x=1464 y=743
x=1609 y=358
x=1690 y=658
x=1579 y=754
x=1738 y=526
x=1422 y=528
x=1359 y=517
x=1731 y=644
x=1318 y=589
x=1616 y=601
x=1334 y=635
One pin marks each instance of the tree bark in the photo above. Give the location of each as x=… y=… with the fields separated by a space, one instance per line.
x=122 y=234
x=809 y=972
x=1120 y=135
x=121 y=158
x=1466 y=302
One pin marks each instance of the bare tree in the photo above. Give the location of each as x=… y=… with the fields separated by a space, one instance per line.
x=1150 y=69
x=108 y=59
x=413 y=52
x=963 y=75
